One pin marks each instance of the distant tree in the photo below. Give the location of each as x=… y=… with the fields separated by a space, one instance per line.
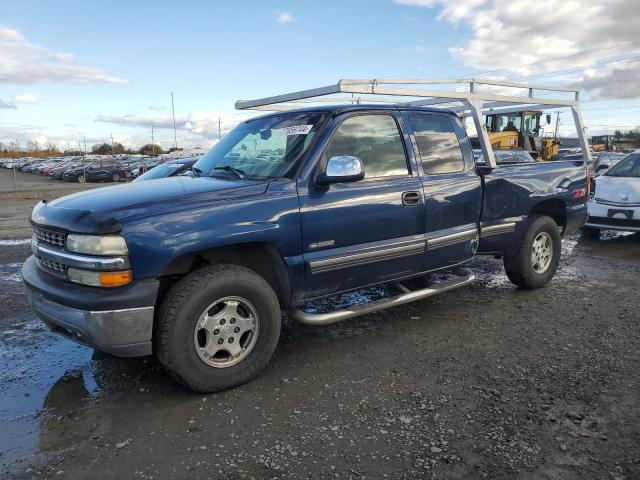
x=101 y=149
x=175 y=149
x=151 y=149
x=33 y=146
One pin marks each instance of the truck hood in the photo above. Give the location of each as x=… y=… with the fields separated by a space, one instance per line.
x=618 y=189
x=104 y=210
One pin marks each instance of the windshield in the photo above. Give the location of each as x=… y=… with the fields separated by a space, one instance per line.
x=267 y=147
x=161 y=171
x=628 y=167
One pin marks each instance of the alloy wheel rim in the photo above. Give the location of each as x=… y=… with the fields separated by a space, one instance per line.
x=541 y=252
x=226 y=332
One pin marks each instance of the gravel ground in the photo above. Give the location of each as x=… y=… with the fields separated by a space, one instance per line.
x=483 y=382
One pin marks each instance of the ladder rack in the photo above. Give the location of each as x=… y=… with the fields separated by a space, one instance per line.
x=467 y=97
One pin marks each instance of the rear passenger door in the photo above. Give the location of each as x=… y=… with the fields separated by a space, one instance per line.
x=365 y=232
x=452 y=188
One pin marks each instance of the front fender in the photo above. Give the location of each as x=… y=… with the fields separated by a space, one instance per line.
x=273 y=218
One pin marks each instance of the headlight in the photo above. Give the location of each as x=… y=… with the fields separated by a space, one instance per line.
x=99 y=279
x=97 y=245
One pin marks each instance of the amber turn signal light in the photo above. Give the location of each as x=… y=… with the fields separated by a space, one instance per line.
x=115 y=279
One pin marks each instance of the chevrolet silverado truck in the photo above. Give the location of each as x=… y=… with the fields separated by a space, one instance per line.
x=288 y=208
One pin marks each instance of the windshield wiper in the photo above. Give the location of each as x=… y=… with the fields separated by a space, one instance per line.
x=228 y=168
x=196 y=170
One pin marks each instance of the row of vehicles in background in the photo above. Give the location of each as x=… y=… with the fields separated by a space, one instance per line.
x=101 y=168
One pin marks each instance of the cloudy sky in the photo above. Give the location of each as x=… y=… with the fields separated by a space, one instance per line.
x=71 y=70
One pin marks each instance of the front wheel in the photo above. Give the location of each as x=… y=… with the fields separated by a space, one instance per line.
x=81 y=179
x=218 y=327
x=536 y=261
x=115 y=177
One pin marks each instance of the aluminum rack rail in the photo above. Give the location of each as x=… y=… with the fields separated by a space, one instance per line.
x=468 y=97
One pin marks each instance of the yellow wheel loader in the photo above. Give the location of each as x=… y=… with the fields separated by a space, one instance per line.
x=521 y=130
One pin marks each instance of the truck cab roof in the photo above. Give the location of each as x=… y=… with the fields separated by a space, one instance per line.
x=340 y=109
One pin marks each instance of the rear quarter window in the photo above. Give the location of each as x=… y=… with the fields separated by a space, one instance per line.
x=437 y=143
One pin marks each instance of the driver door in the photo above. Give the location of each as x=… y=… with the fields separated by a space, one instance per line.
x=369 y=231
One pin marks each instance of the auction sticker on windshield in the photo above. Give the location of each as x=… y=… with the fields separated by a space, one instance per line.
x=294 y=130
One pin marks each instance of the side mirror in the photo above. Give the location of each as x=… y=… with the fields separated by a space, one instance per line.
x=342 y=169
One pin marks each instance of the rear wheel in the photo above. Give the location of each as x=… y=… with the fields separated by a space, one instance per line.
x=218 y=327
x=536 y=261
x=81 y=178
x=115 y=177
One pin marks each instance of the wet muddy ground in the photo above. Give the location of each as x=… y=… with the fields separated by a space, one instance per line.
x=484 y=382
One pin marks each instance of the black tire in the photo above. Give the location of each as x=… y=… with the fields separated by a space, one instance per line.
x=81 y=178
x=174 y=342
x=520 y=268
x=115 y=177
x=591 y=233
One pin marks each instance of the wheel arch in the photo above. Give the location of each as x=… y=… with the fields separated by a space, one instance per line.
x=554 y=208
x=263 y=258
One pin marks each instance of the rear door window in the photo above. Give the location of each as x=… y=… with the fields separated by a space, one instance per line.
x=437 y=143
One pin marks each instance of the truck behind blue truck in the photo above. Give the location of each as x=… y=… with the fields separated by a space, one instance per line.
x=287 y=208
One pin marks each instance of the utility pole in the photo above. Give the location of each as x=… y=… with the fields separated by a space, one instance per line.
x=84 y=170
x=113 y=148
x=175 y=135
x=153 y=144
x=555 y=135
x=219 y=128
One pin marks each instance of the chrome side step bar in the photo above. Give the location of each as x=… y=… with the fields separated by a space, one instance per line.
x=466 y=277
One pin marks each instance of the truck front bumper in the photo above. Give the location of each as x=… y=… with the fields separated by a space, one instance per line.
x=118 y=321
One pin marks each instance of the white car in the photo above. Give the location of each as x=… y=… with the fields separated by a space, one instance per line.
x=615 y=204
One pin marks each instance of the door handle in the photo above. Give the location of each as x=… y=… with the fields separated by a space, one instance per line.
x=411 y=198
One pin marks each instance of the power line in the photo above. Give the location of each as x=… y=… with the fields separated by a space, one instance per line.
x=577 y=54
x=577 y=69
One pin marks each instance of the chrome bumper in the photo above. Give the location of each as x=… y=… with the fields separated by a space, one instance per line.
x=125 y=333
x=618 y=228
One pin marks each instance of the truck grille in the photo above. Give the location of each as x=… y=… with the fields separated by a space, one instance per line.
x=55 y=268
x=50 y=237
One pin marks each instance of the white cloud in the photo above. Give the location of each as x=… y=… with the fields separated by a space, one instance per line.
x=559 y=35
x=27 y=98
x=7 y=105
x=200 y=127
x=25 y=63
x=285 y=17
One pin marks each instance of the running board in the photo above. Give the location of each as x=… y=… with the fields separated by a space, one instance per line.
x=466 y=277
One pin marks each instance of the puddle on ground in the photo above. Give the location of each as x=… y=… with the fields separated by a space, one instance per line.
x=22 y=241
x=45 y=377
x=613 y=245
x=40 y=371
x=10 y=273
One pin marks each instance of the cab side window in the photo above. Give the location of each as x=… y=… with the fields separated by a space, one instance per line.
x=437 y=143
x=374 y=139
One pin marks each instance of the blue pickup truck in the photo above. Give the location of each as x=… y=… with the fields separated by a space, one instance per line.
x=288 y=208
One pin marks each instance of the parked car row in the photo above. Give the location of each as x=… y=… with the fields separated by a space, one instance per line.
x=100 y=168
